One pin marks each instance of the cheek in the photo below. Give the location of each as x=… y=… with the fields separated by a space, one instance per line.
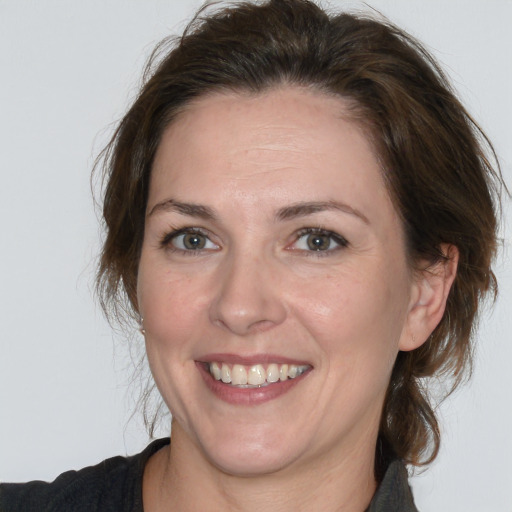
x=170 y=303
x=354 y=313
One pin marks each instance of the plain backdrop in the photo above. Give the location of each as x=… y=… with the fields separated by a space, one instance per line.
x=68 y=70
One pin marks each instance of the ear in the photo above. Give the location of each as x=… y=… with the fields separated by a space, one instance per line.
x=429 y=293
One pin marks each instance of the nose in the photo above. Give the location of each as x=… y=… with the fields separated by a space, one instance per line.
x=248 y=297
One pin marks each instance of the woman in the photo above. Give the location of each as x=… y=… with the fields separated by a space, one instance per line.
x=290 y=214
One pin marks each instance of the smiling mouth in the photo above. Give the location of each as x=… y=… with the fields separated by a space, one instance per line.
x=254 y=376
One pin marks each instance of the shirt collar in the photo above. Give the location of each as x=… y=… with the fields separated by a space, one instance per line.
x=394 y=492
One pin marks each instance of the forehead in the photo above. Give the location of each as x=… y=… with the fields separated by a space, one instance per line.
x=287 y=144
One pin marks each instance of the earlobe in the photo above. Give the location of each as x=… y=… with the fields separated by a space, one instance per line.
x=428 y=299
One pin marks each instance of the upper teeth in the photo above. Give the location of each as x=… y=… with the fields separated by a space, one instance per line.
x=256 y=375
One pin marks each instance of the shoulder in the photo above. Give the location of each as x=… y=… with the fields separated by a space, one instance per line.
x=113 y=485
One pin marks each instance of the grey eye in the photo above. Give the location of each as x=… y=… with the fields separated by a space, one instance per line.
x=192 y=241
x=319 y=242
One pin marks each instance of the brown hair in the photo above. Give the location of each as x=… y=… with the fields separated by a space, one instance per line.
x=432 y=154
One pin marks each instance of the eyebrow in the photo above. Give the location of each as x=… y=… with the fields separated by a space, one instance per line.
x=290 y=212
x=190 y=209
x=307 y=208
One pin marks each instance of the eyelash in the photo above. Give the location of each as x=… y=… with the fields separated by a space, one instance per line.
x=335 y=237
x=167 y=239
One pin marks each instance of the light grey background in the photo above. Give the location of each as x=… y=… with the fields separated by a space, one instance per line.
x=68 y=69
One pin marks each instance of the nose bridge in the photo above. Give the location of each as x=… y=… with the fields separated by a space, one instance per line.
x=247 y=297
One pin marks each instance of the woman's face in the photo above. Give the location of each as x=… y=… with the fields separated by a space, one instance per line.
x=272 y=249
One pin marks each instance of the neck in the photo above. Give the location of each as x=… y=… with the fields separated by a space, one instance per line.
x=180 y=478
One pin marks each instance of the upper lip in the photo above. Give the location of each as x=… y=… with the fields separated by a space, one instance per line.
x=250 y=360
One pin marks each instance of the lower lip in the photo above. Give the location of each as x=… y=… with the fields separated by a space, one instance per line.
x=247 y=396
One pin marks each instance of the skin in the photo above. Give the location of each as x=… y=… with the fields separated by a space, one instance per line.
x=256 y=288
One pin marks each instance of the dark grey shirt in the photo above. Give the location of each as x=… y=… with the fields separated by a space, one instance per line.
x=394 y=493
x=115 y=485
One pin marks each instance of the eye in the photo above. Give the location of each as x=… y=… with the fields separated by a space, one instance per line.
x=189 y=240
x=318 y=240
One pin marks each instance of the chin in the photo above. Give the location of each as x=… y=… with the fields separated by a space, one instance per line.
x=252 y=462
x=245 y=454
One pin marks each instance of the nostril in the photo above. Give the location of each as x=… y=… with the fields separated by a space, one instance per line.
x=261 y=326
x=244 y=324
